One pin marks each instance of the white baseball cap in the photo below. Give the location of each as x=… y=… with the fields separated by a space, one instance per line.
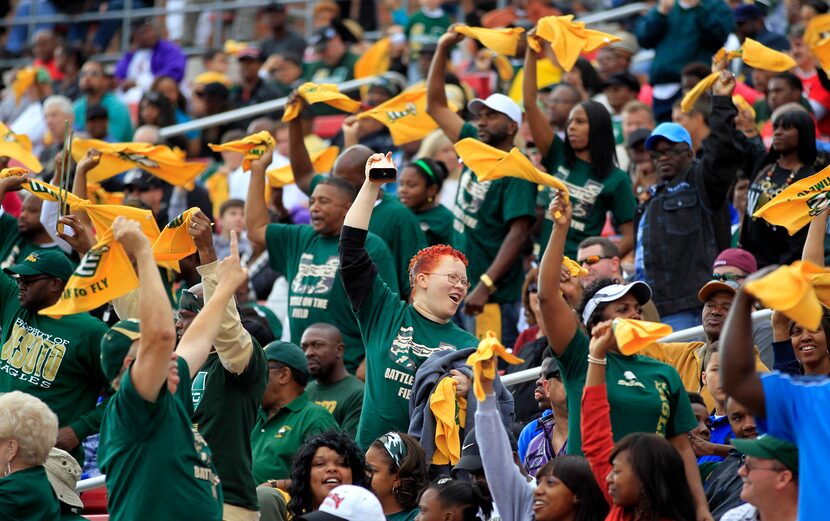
x=499 y=103
x=347 y=503
x=612 y=292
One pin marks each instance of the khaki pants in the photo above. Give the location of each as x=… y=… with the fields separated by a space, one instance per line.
x=235 y=513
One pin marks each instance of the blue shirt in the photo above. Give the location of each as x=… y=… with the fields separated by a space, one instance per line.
x=720 y=433
x=529 y=432
x=796 y=411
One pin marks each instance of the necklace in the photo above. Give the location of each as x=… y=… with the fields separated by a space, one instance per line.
x=790 y=177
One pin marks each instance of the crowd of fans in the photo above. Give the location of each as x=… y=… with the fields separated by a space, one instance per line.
x=326 y=337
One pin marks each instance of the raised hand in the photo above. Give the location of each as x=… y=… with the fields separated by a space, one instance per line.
x=261 y=163
x=450 y=37
x=561 y=212
x=82 y=240
x=90 y=160
x=725 y=84
x=379 y=160
x=230 y=272
x=602 y=339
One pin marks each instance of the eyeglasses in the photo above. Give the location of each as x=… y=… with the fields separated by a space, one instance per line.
x=750 y=467
x=670 y=152
x=454 y=279
x=25 y=281
x=727 y=277
x=590 y=260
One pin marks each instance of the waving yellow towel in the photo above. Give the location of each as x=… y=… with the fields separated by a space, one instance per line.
x=574 y=268
x=635 y=335
x=502 y=41
x=450 y=414
x=488 y=349
x=796 y=206
x=174 y=243
x=19 y=148
x=252 y=147
x=374 y=61
x=405 y=116
x=568 y=38
x=789 y=289
x=327 y=93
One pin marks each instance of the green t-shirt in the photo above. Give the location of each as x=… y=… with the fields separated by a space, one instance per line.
x=398 y=340
x=225 y=406
x=26 y=495
x=315 y=293
x=343 y=399
x=645 y=395
x=436 y=223
x=157 y=465
x=58 y=360
x=404 y=515
x=400 y=230
x=319 y=72
x=275 y=441
x=592 y=198
x=422 y=29
x=13 y=246
x=483 y=212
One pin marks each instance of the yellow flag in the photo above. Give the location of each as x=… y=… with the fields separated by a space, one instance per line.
x=574 y=268
x=105 y=273
x=490 y=163
x=24 y=79
x=568 y=38
x=789 y=289
x=488 y=349
x=502 y=41
x=19 y=148
x=159 y=160
x=796 y=206
x=374 y=61
x=322 y=162
x=174 y=243
x=405 y=116
x=760 y=56
x=321 y=93
x=635 y=335
x=252 y=147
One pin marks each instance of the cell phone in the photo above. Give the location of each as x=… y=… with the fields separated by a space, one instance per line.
x=383 y=170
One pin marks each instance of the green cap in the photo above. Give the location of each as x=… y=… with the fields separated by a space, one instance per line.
x=115 y=345
x=767 y=447
x=288 y=354
x=44 y=262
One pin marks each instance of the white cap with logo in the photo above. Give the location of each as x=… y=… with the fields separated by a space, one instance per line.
x=499 y=103
x=347 y=503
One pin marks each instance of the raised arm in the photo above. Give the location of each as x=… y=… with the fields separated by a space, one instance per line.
x=597 y=436
x=723 y=156
x=87 y=163
x=814 y=245
x=199 y=337
x=360 y=212
x=256 y=212
x=557 y=317
x=737 y=364
x=539 y=125
x=437 y=106
x=158 y=336
x=297 y=153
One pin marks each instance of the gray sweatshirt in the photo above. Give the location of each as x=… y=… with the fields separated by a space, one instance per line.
x=512 y=493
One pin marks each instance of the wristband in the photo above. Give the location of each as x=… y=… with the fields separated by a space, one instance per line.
x=491 y=286
x=597 y=361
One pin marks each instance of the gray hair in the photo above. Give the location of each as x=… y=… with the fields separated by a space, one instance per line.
x=29 y=421
x=61 y=103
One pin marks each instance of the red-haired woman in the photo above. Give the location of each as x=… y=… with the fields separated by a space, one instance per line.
x=398 y=336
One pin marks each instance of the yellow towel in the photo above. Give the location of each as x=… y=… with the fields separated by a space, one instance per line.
x=574 y=268
x=488 y=349
x=252 y=147
x=405 y=116
x=816 y=29
x=48 y=192
x=105 y=273
x=321 y=93
x=24 y=79
x=212 y=77
x=322 y=162
x=233 y=47
x=821 y=51
x=502 y=41
x=374 y=61
x=19 y=148
x=796 y=206
x=450 y=417
x=742 y=105
x=697 y=91
x=789 y=289
x=97 y=195
x=159 y=160
x=503 y=66
x=635 y=335
x=8 y=172
x=568 y=38
x=174 y=243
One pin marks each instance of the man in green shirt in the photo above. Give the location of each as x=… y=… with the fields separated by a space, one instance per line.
x=335 y=62
x=333 y=387
x=492 y=218
x=54 y=359
x=287 y=418
x=20 y=237
x=391 y=221
x=307 y=255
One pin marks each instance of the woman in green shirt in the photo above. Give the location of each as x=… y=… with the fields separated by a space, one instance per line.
x=418 y=187
x=398 y=467
x=586 y=161
x=28 y=430
x=398 y=336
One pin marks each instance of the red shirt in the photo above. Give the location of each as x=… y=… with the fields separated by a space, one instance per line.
x=815 y=92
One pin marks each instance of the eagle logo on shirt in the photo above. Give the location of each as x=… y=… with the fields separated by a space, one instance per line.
x=404 y=348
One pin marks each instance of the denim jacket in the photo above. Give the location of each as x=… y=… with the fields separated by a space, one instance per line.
x=686 y=222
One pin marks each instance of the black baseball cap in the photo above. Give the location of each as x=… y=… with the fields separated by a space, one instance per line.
x=638 y=136
x=626 y=79
x=141 y=180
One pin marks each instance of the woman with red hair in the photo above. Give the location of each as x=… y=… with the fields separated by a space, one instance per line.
x=398 y=336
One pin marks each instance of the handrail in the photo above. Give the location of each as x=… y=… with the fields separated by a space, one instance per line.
x=616 y=13
x=684 y=335
x=90 y=483
x=246 y=112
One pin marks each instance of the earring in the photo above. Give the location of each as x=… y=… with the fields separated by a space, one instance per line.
x=8 y=468
x=430 y=199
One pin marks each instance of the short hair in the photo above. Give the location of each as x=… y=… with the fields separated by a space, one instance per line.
x=792 y=80
x=701 y=106
x=62 y=103
x=211 y=54
x=433 y=171
x=29 y=421
x=711 y=349
x=697 y=69
x=696 y=398
x=636 y=105
x=232 y=135
x=231 y=203
x=609 y=249
x=343 y=186
x=796 y=31
x=428 y=257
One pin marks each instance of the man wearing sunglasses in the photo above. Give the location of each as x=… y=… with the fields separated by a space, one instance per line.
x=54 y=359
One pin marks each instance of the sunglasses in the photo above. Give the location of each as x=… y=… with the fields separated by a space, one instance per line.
x=593 y=259
x=671 y=152
x=25 y=281
x=727 y=277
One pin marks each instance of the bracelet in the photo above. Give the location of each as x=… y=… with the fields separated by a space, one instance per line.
x=491 y=286
x=598 y=361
